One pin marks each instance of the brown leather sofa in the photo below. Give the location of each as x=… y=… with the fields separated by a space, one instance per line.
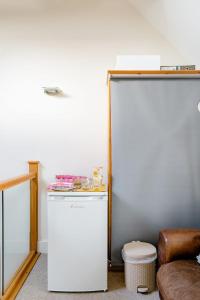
x=178 y=277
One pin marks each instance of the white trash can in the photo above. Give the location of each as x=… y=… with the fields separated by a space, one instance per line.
x=139 y=259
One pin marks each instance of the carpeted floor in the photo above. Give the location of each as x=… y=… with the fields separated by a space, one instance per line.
x=35 y=288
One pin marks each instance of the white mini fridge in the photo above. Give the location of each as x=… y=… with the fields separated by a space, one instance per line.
x=77 y=241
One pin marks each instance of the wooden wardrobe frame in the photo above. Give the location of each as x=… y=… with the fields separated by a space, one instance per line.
x=131 y=74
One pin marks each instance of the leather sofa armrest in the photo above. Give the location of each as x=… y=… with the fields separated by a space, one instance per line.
x=178 y=244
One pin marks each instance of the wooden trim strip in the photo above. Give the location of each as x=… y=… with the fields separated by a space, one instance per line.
x=109 y=173
x=151 y=72
x=6 y=184
x=20 y=277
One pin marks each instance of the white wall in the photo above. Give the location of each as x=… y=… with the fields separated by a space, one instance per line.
x=70 y=44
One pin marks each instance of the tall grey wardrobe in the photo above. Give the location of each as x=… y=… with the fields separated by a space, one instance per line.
x=154 y=155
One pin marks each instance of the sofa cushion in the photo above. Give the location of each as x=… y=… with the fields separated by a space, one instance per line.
x=179 y=280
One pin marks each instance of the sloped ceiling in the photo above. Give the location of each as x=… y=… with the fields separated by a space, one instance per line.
x=178 y=21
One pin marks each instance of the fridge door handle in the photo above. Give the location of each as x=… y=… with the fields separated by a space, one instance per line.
x=51 y=198
x=74 y=205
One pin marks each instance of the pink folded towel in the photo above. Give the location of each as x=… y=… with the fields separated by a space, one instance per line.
x=69 y=178
x=66 y=182
x=60 y=185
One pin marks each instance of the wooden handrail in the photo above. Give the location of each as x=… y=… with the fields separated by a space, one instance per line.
x=6 y=184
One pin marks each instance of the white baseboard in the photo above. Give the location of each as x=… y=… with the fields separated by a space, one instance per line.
x=43 y=246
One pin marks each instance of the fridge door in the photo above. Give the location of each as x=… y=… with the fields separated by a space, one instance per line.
x=77 y=244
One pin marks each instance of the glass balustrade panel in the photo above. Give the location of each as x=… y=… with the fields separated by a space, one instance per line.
x=16 y=229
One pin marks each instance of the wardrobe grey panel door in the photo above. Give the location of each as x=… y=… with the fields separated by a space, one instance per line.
x=155 y=158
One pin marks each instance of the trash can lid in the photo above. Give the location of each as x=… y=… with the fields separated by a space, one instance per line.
x=139 y=250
